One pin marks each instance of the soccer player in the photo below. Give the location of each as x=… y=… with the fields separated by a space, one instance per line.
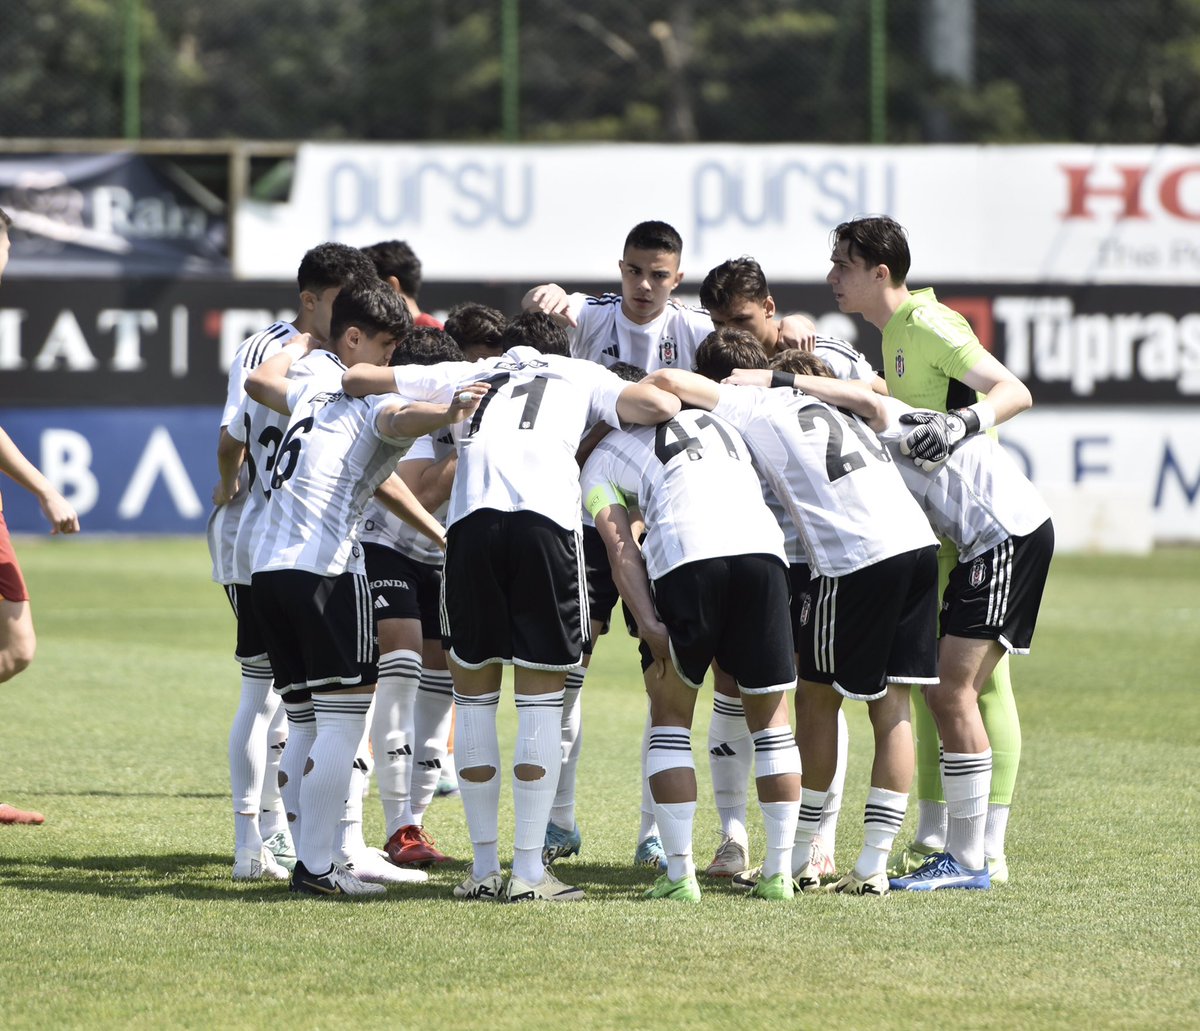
x=978 y=499
x=477 y=329
x=399 y=267
x=710 y=582
x=310 y=590
x=933 y=361
x=737 y=296
x=18 y=641
x=867 y=614
x=513 y=590
x=257 y=735
x=643 y=325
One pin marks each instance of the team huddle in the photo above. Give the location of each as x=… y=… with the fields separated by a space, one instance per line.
x=404 y=509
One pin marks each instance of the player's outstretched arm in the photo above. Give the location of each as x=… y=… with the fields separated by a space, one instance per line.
x=268 y=384
x=691 y=388
x=644 y=404
x=430 y=481
x=394 y=494
x=363 y=379
x=1005 y=393
x=629 y=576
x=416 y=418
x=59 y=512
x=553 y=300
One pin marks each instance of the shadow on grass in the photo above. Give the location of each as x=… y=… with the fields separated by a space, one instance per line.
x=205 y=877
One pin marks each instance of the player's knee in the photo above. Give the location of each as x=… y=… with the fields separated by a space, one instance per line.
x=528 y=771
x=477 y=774
x=17 y=657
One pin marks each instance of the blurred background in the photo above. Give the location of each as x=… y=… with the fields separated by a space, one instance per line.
x=167 y=164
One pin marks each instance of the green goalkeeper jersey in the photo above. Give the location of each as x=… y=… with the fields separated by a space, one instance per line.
x=927 y=349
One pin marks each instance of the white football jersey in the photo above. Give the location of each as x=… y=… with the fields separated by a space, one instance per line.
x=261 y=430
x=382 y=527
x=844 y=360
x=328 y=464
x=603 y=333
x=517 y=452
x=977 y=498
x=224 y=520
x=836 y=479
x=695 y=482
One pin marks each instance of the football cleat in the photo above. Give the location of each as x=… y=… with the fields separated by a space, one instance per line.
x=650 y=853
x=11 y=814
x=548 y=889
x=875 y=886
x=374 y=868
x=779 y=888
x=747 y=879
x=447 y=785
x=281 y=847
x=731 y=858
x=410 y=845
x=822 y=861
x=249 y=865
x=942 y=870
x=484 y=889
x=686 y=889
x=909 y=859
x=808 y=878
x=561 y=843
x=997 y=869
x=337 y=883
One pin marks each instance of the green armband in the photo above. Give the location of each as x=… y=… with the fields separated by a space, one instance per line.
x=601 y=497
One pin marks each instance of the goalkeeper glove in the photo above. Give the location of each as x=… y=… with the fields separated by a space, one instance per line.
x=936 y=434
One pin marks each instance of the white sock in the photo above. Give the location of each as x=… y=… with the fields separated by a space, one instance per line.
x=807 y=820
x=649 y=822
x=539 y=744
x=392 y=731
x=562 y=812
x=476 y=745
x=993 y=834
x=302 y=732
x=341 y=723
x=431 y=730
x=272 y=816
x=931 y=824
x=348 y=841
x=730 y=754
x=966 y=781
x=827 y=828
x=776 y=754
x=882 y=817
x=670 y=748
x=248 y=752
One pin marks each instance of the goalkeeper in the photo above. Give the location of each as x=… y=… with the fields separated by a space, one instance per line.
x=933 y=361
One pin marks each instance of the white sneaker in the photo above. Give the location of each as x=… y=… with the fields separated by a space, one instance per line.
x=807 y=879
x=487 y=889
x=249 y=865
x=339 y=883
x=548 y=889
x=731 y=858
x=875 y=886
x=373 y=868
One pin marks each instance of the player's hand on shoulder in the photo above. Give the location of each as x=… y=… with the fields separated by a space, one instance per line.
x=928 y=443
x=553 y=300
x=467 y=399
x=749 y=378
x=797 y=331
x=60 y=513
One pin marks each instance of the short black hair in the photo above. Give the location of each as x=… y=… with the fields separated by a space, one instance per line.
x=878 y=240
x=476 y=327
x=334 y=264
x=628 y=371
x=654 y=236
x=538 y=330
x=372 y=307
x=726 y=349
x=736 y=279
x=397 y=258
x=805 y=363
x=426 y=345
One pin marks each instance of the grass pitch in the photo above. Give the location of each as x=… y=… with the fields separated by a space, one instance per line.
x=119 y=912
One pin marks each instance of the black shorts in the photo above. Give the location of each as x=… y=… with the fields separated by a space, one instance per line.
x=800 y=577
x=319 y=630
x=404 y=588
x=996 y=596
x=251 y=644
x=735 y=610
x=873 y=627
x=601 y=591
x=514 y=591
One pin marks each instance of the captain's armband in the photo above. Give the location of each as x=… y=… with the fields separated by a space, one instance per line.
x=601 y=497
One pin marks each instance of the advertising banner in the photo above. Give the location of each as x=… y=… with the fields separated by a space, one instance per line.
x=152 y=470
x=158 y=342
x=1022 y=214
x=109 y=215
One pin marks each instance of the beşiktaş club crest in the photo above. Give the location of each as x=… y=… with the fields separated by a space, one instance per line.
x=667 y=351
x=978 y=572
x=805 y=610
x=899 y=363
